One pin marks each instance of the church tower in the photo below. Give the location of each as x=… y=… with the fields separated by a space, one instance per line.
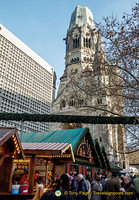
x=82 y=89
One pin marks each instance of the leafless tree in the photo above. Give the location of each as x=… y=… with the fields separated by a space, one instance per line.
x=120 y=40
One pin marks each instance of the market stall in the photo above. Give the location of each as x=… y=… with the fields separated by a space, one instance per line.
x=44 y=157
x=84 y=155
x=10 y=148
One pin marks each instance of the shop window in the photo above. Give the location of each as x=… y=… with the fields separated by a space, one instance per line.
x=19 y=166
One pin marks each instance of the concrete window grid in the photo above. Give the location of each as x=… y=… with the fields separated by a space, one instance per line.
x=25 y=102
x=16 y=59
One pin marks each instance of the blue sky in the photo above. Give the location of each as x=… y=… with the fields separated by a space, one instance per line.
x=42 y=24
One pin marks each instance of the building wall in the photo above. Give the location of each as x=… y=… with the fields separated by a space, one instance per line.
x=26 y=81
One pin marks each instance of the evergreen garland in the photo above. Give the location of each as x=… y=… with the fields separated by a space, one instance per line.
x=68 y=118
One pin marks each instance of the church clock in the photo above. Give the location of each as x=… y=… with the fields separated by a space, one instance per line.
x=74 y=70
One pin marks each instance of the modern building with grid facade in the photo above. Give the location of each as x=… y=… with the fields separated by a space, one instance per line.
x=26 y=82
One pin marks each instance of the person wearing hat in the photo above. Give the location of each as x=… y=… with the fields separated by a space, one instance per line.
x=113 y=185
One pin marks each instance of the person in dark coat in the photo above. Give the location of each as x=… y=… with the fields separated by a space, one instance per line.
x=65 y=182
x=103 y=181
x=121 y=180
x=64 y=187
x=74 y=183
x=74 y=186
x=113 y=185
x=57 y=183
x=15 y=177
x=136 y=183
x=129 y=187
x=82 y=190
x=88 y=187
x=96 y=186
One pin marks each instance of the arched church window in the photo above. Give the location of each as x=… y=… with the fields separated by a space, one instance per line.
x=76 y=43
x=87 y=42
x=63 y=104
x=72 y=102
x=84 y=40
x=81 y=102
x=98 y=68
x=99 y=101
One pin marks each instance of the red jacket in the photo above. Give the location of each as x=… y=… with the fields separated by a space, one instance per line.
x=23 y=180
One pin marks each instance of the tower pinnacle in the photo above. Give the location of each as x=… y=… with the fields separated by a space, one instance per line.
x=81 y=16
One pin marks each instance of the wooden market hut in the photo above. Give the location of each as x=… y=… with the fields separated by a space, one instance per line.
x=85 y=156
x=44 y=157
x=10 y=148
x=105 y=165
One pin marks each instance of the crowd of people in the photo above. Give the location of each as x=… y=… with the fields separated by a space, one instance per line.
x=79 y=187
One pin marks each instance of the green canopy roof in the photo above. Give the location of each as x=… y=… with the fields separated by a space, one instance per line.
x=71 y=136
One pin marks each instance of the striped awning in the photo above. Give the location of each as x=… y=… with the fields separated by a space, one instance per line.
x=45 y=146
x=48 y=149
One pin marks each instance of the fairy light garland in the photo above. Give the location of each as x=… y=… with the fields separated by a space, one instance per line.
x=17 y=151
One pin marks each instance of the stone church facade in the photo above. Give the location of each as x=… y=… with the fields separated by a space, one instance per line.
x=82 y=89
